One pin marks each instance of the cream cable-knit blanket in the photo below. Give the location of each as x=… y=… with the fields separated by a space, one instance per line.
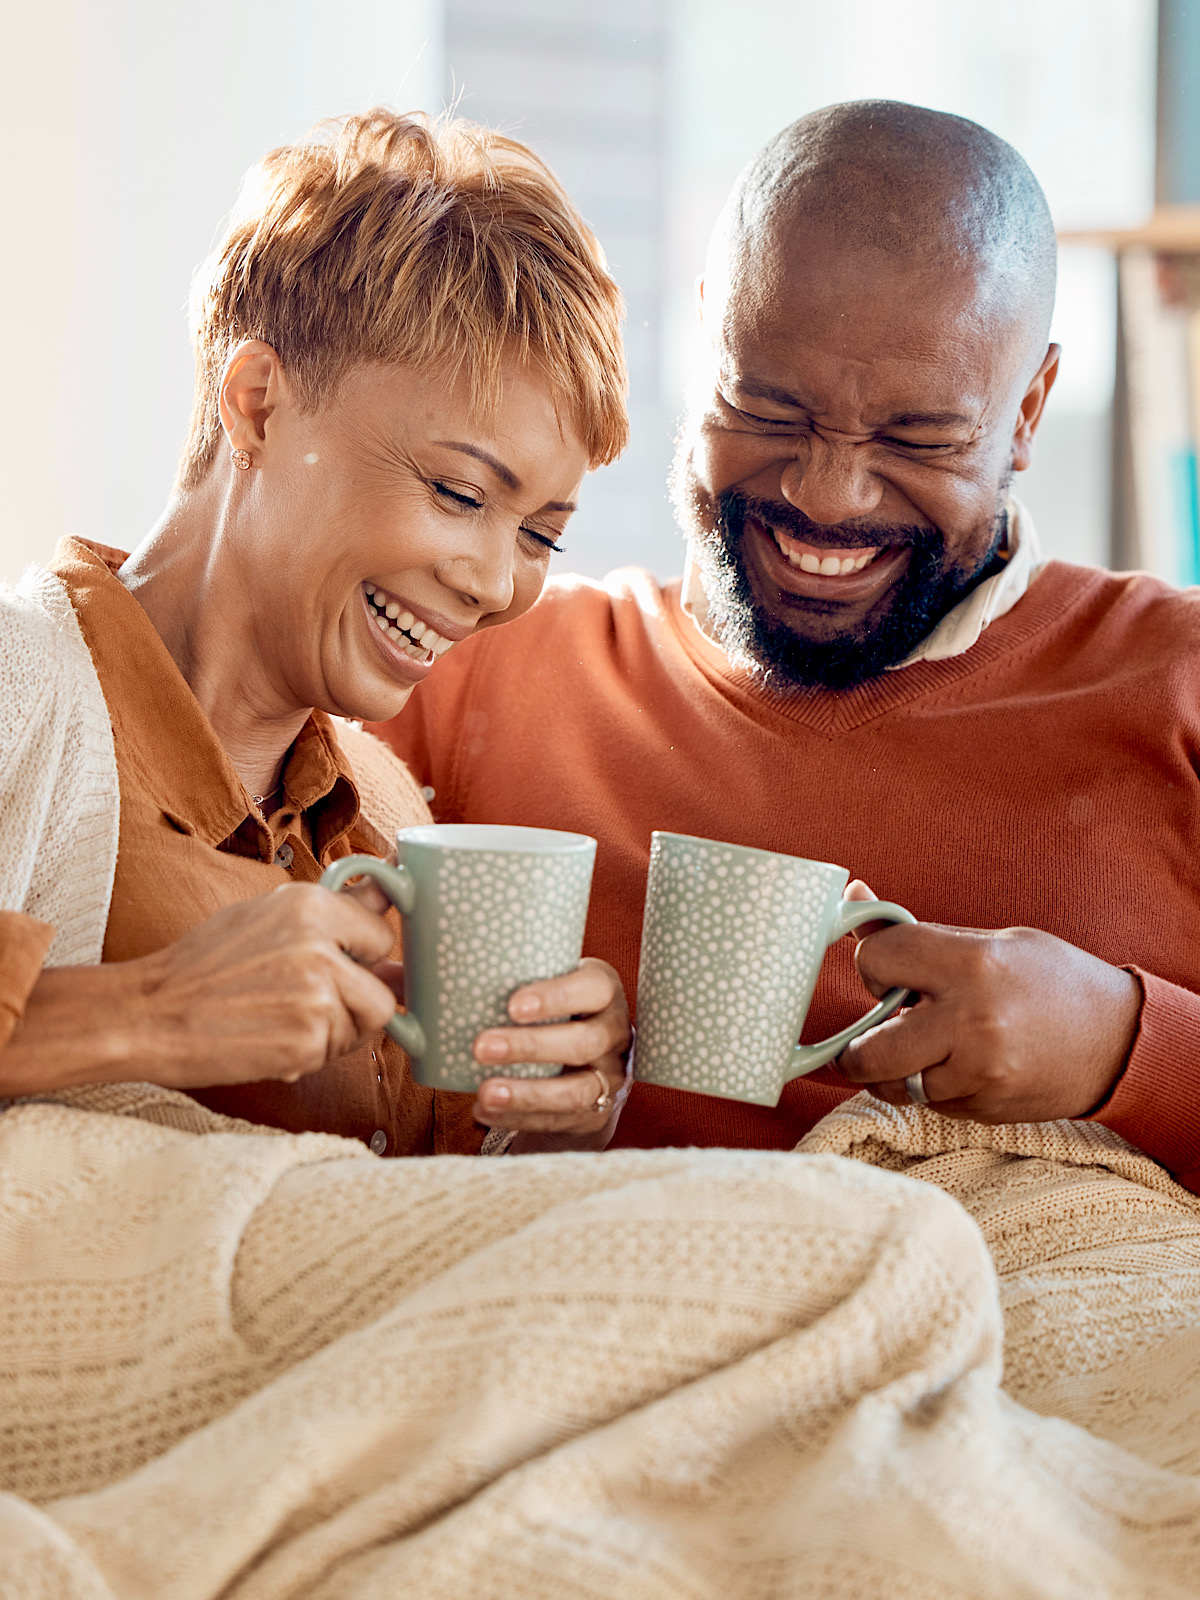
x=267 y=1368
x=263 y=1367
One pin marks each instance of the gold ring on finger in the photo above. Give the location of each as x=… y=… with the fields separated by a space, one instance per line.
x=604 y=1100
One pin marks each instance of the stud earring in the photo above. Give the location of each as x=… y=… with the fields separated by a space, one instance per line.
x=241 y=460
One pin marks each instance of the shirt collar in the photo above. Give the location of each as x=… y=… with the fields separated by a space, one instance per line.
x=961 y=627
x=181 y=760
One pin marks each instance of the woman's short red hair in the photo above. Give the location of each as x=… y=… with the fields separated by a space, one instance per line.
x=434 y=244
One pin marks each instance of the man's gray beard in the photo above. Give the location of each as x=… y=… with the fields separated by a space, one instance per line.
x=928 y=590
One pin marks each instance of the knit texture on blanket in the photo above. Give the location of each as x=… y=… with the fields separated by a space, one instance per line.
x=266 y=1368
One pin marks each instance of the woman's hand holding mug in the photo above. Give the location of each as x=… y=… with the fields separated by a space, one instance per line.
x=593 y=1043
x=482 y=908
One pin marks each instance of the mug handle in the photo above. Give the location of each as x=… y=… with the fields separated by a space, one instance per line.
x=852 y=914
x=401 y=889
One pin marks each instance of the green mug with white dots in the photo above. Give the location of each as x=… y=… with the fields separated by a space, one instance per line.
x=483 y=909
x=732 y=945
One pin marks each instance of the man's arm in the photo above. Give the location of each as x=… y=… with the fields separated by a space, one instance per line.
x=1155 y=1103
x=1019 y=1026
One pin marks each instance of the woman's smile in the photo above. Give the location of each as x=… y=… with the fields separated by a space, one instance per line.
x=408 y=628
x=401 y=647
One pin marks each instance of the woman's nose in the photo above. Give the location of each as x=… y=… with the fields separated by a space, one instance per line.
x=484 y=579
x=830 y=482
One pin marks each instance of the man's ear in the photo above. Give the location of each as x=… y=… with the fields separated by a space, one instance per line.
x=1032 y=406
x=252 y=386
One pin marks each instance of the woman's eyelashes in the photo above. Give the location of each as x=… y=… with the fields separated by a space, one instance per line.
x=459 y=498
x=468 y=502
x=546 y=541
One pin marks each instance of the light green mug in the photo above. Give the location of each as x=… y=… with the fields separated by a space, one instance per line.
x=732 y=944
x=484 y=910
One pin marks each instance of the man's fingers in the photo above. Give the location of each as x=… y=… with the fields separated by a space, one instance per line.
x=858 y=890
x=923 y=956
x=911 y=1041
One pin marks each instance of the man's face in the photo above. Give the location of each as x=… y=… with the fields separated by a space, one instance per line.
x=844 y=481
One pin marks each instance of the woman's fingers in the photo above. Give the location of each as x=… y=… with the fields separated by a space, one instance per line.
x=591 y=987
x=593 y=1045
x=552 y=1105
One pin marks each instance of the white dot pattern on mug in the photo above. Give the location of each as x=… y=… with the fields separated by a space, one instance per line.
x=504 y=920
x=731 y=947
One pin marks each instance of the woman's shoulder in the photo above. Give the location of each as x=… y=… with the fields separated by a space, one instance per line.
x=388 y=794
x=42 y=654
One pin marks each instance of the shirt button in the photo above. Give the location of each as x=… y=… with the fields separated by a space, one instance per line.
x=284 y=856
x=378 y=1142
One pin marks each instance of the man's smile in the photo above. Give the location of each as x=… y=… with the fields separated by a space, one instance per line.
x=824 y=572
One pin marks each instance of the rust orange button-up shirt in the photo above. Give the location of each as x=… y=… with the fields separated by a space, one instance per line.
x=192 y=841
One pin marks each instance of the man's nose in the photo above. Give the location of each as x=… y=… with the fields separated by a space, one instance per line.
x=830 y=482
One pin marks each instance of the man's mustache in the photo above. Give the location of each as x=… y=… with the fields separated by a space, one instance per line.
x=734 y=508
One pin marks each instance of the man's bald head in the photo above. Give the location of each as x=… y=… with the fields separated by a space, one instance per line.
x=877 y=299
x=921 y=189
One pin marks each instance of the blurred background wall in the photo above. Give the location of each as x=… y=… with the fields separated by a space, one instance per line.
x=128 y=124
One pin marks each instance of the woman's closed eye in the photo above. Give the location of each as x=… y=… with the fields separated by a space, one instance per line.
x=546 y=540
x=457 y=496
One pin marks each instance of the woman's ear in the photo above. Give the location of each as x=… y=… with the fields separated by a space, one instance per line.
x=252 y=388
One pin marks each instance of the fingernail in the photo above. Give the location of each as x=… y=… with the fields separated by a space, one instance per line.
x=495 y=1094
x=523 y=1006
x=490 y=1048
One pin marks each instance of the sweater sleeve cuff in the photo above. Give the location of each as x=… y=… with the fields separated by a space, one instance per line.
x=1156 y=1103
x=23 y=946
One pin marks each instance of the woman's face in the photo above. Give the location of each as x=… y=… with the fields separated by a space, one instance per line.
x=383 y=529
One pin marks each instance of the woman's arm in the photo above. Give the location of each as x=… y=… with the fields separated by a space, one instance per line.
x=271 y=988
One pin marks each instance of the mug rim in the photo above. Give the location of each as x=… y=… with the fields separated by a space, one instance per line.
x=749 y=849
x=507 y=837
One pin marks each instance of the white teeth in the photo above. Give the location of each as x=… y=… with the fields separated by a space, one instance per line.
x=370 y=588
x=381 y=622
x=848 y=564
x=416 y=629
x=829 y=566
x=405 y=620
x=440 y=648
x=392 y=609
x=809 y=563
x=394 y=633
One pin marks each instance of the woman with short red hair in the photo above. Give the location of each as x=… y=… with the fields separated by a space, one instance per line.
x=408 y=353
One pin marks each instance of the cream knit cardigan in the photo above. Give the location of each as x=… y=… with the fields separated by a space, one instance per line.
x=59 y=798
x=59 y=792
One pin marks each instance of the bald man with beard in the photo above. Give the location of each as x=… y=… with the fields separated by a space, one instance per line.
x=868 y=661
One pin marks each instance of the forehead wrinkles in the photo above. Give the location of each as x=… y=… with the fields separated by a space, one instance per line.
x=878 y=344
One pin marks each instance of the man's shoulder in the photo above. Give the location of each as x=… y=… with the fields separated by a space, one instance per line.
x=576 y=618
x=1158 y=614
x=628 y=590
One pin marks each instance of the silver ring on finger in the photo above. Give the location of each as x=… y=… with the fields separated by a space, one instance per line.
x=915 y=1084
x=604 y=1100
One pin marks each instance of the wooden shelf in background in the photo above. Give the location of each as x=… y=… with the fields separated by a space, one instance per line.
x=1171 y=229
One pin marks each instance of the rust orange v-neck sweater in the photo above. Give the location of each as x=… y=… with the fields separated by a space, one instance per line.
x=1046 y=778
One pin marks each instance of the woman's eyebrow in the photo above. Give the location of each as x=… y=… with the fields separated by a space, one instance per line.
x=506 y=475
